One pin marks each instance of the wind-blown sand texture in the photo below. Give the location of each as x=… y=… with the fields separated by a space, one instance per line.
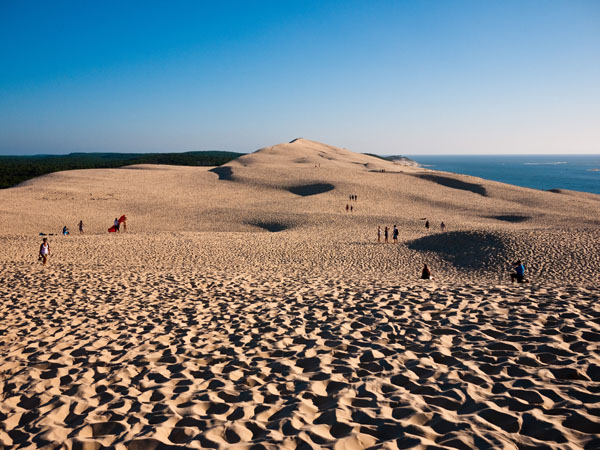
x=246 y=308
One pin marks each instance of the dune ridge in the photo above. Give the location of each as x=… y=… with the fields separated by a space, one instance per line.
x=246 y=308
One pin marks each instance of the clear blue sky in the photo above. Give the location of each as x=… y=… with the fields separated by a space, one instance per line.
x=389 y=77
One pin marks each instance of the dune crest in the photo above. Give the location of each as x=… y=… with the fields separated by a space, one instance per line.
x=250 y=305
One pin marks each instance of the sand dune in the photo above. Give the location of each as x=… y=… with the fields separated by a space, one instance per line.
x=246 y=308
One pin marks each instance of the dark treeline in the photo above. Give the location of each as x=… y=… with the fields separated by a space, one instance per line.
x=16 y=169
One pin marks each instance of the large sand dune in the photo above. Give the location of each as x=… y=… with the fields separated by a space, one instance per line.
x=246 y=307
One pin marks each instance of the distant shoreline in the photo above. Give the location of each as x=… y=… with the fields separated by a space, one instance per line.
x=543 y=172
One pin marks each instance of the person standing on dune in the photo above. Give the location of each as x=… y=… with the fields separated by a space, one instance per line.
x=395 y=234
x=81 y=227
x=378 y=234
x=44 y=251
x=385 y=234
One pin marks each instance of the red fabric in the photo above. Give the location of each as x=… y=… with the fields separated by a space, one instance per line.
x=122 y=218
x=112 y=229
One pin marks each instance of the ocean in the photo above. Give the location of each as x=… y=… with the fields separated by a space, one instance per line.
x=574 y=172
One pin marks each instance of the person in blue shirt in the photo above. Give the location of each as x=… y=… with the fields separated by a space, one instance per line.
x=519 y=274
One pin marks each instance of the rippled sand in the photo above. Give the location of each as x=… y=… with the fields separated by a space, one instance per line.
x=246 y=308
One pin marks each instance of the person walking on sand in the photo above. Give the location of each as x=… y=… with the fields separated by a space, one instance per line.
x=427 y=225
x=80 y=227
x=347 y=207
x=378 y=234
x=443 y=226
x=116 y=224
x=426 y=273
x=44 y=251
x=385 y=234
x=395 y=234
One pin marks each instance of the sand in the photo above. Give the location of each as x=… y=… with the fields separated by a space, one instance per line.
x=246 y=308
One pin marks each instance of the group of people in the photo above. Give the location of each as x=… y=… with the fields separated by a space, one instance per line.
x=352 y=198
x=518 y=275
x=121 y=221
x=519 y=268
x=45 y=246
x=66 y=232
x=442 y=225
x=386 y=234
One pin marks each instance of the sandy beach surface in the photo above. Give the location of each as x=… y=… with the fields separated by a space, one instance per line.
x=245 y=307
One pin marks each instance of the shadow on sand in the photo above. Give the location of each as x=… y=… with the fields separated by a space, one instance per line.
x=273 y=227
x=305 y=190
x=224 y=173
x=511 y=218
x=454 y=183
x=464 y=249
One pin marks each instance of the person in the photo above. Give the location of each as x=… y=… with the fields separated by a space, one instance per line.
x=347 y=207
x=427 y=224
x=65 y=231
x=385 y=234
x=443 y=226
x=519 y=274
x=351 y=208
x=426 y=273
x=116 y=224
x=378 y=234
x=81 y=227
x=123 y=220
x=44 y=251
x=395 y=234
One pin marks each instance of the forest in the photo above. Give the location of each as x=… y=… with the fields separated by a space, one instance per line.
x=16 y=169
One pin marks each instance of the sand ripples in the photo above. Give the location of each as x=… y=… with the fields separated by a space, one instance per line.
x=148 y=360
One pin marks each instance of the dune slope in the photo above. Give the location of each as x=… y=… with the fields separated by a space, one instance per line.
x=246 y=307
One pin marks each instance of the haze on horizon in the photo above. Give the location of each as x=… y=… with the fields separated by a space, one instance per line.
x=383 y=77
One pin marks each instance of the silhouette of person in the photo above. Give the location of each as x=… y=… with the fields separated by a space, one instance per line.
x=426 y=273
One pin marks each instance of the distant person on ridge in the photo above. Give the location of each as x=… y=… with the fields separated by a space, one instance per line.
x=427 y=224
x=443 y=226
x=385 y=234
x=426 y=273
x=80 y=227
x=44 y=251
x=519 y=274
x=395 y=234
x=378 y=234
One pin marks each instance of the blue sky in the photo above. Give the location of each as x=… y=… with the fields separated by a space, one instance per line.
x=389 y=77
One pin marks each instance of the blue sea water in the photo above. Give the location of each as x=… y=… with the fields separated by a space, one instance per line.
x=574 y=172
